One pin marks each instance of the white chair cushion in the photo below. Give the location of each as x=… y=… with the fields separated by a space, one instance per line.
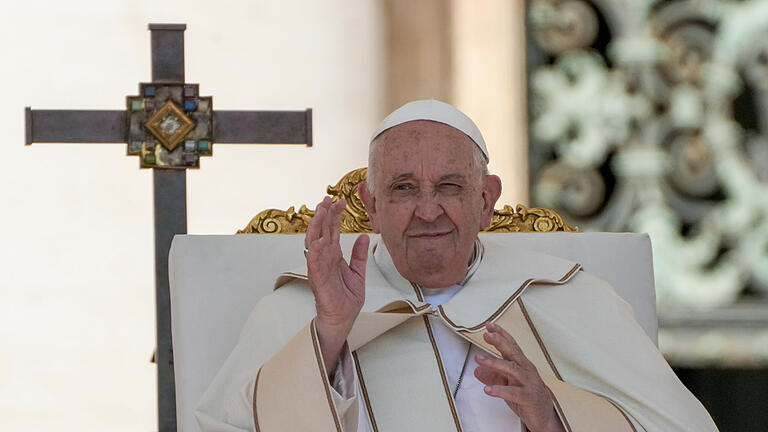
x=216 y=280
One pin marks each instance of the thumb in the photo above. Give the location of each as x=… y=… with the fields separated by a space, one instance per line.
x=359 y=257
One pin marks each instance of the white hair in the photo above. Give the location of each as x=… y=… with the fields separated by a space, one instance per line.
x=480 y=162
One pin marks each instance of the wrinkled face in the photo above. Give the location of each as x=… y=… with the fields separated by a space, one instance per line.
x=430 y=201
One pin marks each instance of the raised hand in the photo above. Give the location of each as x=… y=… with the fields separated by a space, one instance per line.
x=515 y=380
x=338 y=286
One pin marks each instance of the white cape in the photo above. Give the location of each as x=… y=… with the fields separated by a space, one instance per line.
x=588 y=334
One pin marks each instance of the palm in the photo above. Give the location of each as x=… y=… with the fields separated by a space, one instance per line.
x=339 y=289
x=338 y=286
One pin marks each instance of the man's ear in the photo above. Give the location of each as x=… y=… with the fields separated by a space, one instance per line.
x=491 y=194
x=370 y=204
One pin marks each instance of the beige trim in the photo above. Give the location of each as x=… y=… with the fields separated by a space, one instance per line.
x=539 y=340
x=297 y=365
x=560 y=412
x=417 y=308
x=504 y=305
x=371 y=417
x=296 y=275
x=492 y=317
x=439 y=359
x=324 y=374
x=419 y=295
x=585 y=411
x=588 y=411
x=370 y=325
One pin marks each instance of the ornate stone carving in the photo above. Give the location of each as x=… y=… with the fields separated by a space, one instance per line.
x=355 y=217
x=653 y=117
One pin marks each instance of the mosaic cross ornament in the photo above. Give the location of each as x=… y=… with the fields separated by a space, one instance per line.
x=168 y=125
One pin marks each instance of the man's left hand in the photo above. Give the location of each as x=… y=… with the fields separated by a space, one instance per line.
x=515 y=379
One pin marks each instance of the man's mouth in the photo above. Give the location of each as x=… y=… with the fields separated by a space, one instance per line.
x=426 y=235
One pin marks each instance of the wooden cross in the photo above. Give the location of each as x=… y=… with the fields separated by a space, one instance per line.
x=169 y=126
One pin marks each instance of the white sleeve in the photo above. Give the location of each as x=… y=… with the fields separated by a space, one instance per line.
x=344 y=391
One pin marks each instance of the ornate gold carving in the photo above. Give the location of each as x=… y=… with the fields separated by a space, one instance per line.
x=355 y=217
x=523 y=219
x=275 y=221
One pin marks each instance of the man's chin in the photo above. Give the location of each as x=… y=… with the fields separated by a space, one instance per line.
x=433 y=273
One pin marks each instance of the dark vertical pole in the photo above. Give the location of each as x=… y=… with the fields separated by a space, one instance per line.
x=168 y=52
x=170 y=193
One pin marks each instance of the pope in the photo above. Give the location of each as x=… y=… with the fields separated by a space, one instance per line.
x=425 y=327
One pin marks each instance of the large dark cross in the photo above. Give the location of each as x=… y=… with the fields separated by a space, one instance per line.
x=168 y=126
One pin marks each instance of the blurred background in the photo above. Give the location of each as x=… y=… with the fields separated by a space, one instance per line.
x=623 y=115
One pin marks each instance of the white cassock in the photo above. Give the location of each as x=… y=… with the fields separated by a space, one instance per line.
x=477 y=410
x=407 y=354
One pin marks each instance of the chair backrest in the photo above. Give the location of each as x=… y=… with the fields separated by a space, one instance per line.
x=216 y=280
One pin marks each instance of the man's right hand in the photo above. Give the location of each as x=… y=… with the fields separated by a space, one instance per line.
x=338 y=287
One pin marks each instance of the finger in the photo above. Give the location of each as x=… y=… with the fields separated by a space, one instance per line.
x=314 y=229
x=505 y=347
x=359 y=257
x=497 y=329
x=504 y=367
x=513 y=395
x=488 y=376
x=318 y=246
x=325 y=229
x=336 y=210
x=505 y=343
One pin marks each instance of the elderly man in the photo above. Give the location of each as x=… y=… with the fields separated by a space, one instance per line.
x=430 y=329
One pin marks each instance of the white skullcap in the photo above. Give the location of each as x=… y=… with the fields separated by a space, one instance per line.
x=434 y=110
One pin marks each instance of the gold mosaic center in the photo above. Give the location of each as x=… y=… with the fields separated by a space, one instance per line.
x=170 y=125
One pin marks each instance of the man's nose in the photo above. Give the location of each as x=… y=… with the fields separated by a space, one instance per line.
x=429 y=207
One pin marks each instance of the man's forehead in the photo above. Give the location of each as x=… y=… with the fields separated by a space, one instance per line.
x=425 y=148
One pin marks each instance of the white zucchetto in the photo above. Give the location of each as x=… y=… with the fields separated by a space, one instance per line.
x=437 y=111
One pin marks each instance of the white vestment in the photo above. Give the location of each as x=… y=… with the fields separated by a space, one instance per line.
x=477 y=410
x=586 y=332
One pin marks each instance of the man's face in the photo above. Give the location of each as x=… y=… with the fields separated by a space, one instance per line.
x=430 y=201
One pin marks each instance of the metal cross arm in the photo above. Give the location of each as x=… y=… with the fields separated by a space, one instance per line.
x=169 y=126
x=111 y=126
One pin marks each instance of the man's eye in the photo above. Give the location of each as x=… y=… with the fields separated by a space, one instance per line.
x=403 y=187
x=450 y=187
